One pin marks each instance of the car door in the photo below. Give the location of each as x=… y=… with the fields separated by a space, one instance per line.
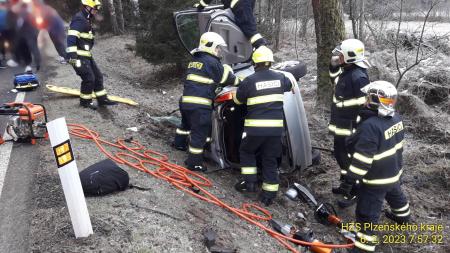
x=191 y=24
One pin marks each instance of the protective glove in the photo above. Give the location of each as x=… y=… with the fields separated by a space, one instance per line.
x=200 y=5
x=76 y=63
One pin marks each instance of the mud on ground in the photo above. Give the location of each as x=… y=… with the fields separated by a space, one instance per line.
x=166 y=220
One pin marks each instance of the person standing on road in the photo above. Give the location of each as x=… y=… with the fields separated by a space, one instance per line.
x=263 y=94
x=348 y=75
x=80 y=40
x=376 y=163
x=203 y=75
x=244 y=18
x=26 y=48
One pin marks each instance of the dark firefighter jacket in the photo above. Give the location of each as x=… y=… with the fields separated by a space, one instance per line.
x=203 y=75
x=347 y=99
x=377 y=148
x=230 y=3
x=244 y=18
x=263 y=94
x=80 y=37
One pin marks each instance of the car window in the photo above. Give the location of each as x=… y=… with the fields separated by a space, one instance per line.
x=188 y=29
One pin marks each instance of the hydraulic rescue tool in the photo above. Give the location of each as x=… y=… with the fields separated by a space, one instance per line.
x=306 y=236
x=26 y=121
x=324 y=212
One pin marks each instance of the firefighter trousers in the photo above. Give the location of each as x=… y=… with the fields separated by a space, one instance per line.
x=244 y=18
x=197 y=123
x=341 y=154
x=269 y=149
x=91 y=80
x=368 y=209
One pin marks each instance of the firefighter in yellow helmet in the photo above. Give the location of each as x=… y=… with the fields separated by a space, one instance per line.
x=80 y=40
x=263 y=94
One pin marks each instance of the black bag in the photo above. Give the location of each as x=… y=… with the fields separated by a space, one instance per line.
x=103 y=178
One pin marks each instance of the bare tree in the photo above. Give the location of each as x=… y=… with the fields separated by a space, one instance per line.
x=419 y=55
x=356 y=13
x=362 y=4
x=278 y=18
x=330 y=30
x=119 y=16
x=110 y=8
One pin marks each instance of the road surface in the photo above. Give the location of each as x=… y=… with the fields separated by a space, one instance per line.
x=18 y=163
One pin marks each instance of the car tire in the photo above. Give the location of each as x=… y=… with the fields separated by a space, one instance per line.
x=297 y=68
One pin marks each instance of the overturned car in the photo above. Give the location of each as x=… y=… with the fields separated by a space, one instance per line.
x=228 y=117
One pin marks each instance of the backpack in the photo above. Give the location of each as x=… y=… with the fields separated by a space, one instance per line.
x=26 y=81
x=103 y=178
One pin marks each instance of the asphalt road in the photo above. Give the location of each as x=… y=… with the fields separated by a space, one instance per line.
x=15 y=198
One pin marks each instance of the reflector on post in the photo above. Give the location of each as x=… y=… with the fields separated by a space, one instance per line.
x=70 y=179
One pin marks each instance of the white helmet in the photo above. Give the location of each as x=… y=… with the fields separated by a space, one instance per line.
x=353 y=52
x=209 y=41
x=381 y=96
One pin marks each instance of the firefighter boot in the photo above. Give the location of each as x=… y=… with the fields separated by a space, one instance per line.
x=245 y=186
x=195 y=163
x=104 y=101
x=340 y=189
x=398 y=219
x=267 y=198
x=349 y=192
x=87 y=103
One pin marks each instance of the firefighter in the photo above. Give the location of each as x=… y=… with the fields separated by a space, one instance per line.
x=376 y=162
x=263 y=94
x=205 y=72
x=80 y=40
x=244 y=18
x=348 y=75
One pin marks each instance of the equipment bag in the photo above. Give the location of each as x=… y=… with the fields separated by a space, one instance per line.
x=26 y=81
x=103 y=178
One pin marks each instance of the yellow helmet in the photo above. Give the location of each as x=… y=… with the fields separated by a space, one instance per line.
x=262 y=54
x=91 y=3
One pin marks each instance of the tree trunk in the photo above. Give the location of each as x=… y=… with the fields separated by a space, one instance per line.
x=278 y=19
x=305 y=20
x=352 y=14
x=119 y=16
x=109 y=5
x=330 y=30
x=361 y=19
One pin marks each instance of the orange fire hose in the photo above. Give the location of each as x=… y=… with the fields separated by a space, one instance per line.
x=139 y=158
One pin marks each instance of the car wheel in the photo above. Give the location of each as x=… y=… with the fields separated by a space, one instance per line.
x=297 y=68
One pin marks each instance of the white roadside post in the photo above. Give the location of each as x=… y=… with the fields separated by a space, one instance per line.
x=70 y=179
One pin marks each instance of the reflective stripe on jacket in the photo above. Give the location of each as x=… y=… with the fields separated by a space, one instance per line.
x=263 y=93
x=80 y=37
x=204 y=74
x=347 y=98
x=377 y=148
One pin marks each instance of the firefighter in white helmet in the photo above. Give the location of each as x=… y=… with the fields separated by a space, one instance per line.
x=348 y=74
x=205 y=72
x=376 y=163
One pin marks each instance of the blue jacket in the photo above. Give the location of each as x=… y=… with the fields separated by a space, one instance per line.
x=205 y=72
x=80 y=37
